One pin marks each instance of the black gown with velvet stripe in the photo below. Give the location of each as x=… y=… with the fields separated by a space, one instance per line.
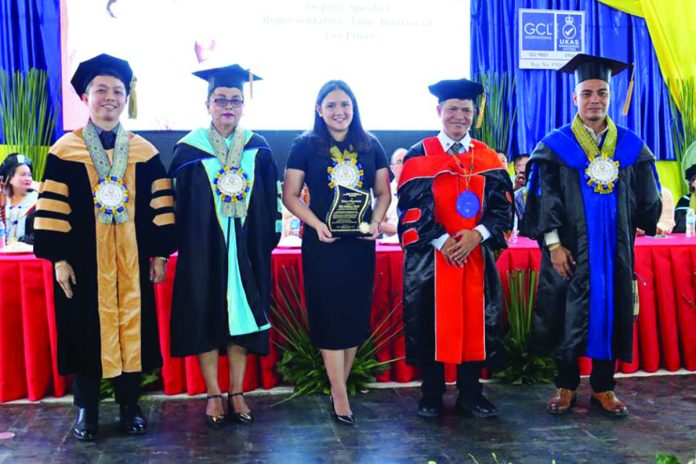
x=66 y=229
x=338 y=276
x=418 y=227
x=199 y=320
x=555 y=202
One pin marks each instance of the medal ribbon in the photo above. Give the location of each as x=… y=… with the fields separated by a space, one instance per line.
x=229 y=158
x=105 y=169
x=589 y=146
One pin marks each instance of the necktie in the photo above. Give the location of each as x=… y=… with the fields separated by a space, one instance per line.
x=454 y=149
x=108 y=139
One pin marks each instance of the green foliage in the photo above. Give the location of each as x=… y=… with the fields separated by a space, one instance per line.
x=27 y=124
x=302 y=364
x=671 y=459
x=522 y=367
x=684 y=117
x=497 y=117
x=666 y=459
x=147 y=381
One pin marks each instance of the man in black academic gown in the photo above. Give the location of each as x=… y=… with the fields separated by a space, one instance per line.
x=455 y=203
x=591 y=184
x=105 y=219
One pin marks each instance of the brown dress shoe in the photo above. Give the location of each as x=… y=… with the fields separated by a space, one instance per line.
x=561 y=401
x=610 y=403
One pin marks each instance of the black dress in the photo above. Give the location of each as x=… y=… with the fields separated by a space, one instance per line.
x=338 y=276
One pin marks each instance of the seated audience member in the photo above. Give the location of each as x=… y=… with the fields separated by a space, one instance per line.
x=17 y=198
x=391 y=219
x=520 y=174
x=666 y=222
x=519 y=182
x=688 y=200
x=503 y=157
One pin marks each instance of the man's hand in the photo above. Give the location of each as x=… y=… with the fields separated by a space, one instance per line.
x=456 y=249
x=562 y=261
x=64 y=276
x=158 y=270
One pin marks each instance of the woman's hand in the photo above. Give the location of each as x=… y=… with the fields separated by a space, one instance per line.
x=64 y=276
x=158 y=270
x=374 y=232
x=324 y=233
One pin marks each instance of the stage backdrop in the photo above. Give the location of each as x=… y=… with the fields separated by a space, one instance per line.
x=543 y=98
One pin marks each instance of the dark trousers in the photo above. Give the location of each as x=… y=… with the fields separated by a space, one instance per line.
x=433 y=385
x=86 y=389
x=601 y=378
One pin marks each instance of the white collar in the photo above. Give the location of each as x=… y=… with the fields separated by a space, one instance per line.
x=446 y=141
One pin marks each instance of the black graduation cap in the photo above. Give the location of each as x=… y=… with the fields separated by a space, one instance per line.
x=101 y=65
x=462 y=89
x=587 y=67
x=227 y=76
x=108 y=65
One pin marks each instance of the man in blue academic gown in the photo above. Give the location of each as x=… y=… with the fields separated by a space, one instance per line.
x=591 y=184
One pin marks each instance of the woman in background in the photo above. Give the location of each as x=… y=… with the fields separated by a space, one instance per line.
x=18 y=198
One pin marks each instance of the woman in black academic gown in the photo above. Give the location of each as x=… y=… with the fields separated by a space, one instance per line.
x=226 y=185
x=338 y=272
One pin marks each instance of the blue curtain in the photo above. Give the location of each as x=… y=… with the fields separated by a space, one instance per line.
x=543 y=98
x=30 y=38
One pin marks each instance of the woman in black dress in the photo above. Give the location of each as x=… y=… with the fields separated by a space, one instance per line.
x=338 y=272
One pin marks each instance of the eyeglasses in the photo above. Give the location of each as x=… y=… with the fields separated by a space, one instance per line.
x=222 y=102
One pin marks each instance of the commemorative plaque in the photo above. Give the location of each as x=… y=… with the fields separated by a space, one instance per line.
x=346 y=215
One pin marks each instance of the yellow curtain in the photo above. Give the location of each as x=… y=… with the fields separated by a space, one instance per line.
x=672 y=27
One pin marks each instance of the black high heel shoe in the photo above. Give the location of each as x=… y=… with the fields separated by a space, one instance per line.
x=240 y=417
x=345 y=420
x=215 y=422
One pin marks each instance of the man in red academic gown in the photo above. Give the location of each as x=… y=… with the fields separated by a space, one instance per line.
x=455 y=203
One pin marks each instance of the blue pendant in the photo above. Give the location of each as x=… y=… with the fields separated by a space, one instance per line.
x=468 y=204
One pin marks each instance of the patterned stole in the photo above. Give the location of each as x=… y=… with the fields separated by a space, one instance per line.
x=110 y=193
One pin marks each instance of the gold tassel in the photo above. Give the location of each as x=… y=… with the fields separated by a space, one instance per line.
x=251 y=84
x=133 y=100
x=479 y=119
x=629 y=94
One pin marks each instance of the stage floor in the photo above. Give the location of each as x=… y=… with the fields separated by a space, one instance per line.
x=662 y=420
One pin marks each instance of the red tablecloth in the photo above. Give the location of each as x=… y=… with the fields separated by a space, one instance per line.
x=665 y=332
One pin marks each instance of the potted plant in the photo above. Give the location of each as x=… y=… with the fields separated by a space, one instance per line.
x=25 y=116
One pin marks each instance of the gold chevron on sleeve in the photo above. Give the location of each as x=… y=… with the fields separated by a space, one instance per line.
x=164 y=219
x=162 y=202
x=56 y=206
x=53 y=225
x=161 y=184
x=54 y=187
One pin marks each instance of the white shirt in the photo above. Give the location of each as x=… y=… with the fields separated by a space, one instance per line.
x=446 y=143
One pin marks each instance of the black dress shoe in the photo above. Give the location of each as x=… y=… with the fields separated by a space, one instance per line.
x=348 y=419
x=429 y=409
x=478 y=407
x=86 y=424
x=215 y=422
x=131 y=419
x=239 y=417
